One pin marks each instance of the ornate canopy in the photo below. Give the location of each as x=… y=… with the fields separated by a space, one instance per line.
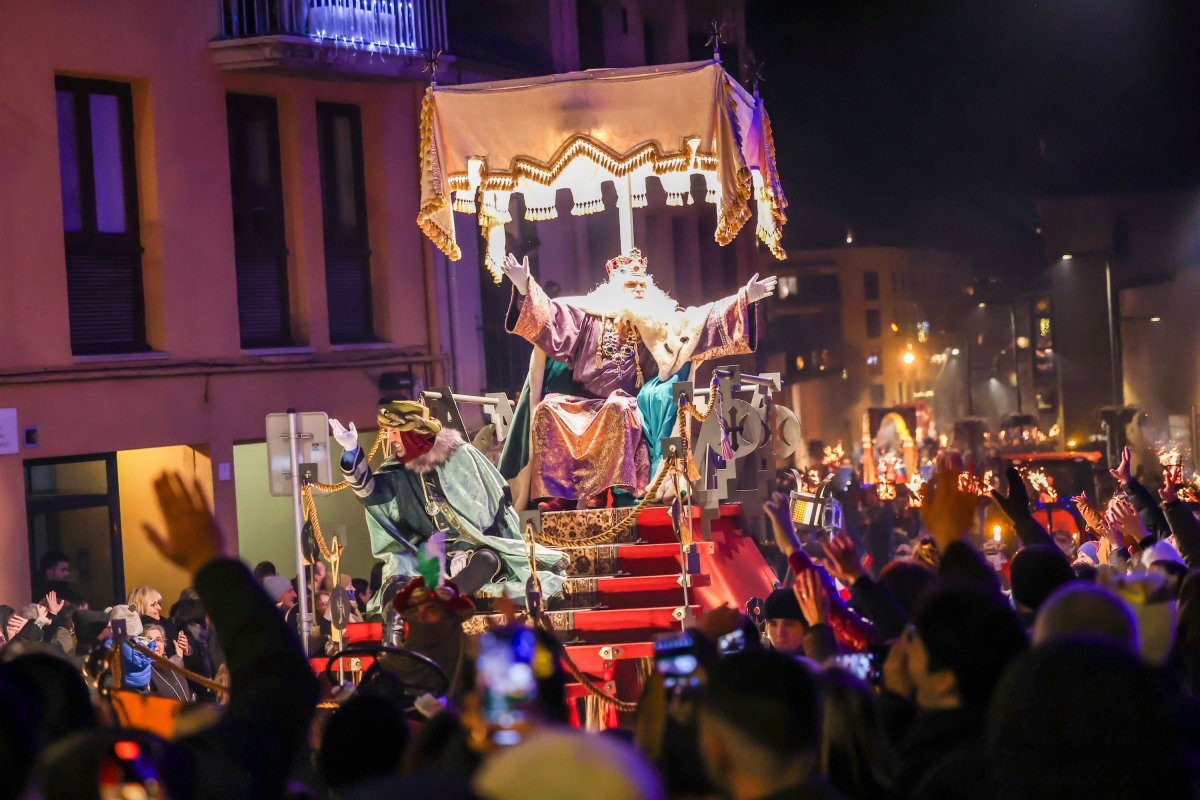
x=481 y=143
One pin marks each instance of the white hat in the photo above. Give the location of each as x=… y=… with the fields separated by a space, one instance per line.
x=133 y=621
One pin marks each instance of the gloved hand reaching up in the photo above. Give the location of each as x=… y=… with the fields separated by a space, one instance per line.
x=346 y=437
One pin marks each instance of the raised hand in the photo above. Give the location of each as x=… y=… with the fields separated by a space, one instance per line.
x=346 y=437
x=53 y=604
x=757 y=290
x=1125 y=518
x=1098 y=523
x=947 y=511
x=1123 y=473
x=181 y=644
x=1015 y=504
x=192 y=538
x=15 y=623
x=517 y=272
x=779 y=511
x=1168 y=493
x=843 y=560
x=812 y=597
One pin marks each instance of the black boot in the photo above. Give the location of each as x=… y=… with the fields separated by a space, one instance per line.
x=482 y=567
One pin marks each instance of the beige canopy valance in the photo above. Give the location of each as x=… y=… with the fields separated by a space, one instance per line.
x=481 y=143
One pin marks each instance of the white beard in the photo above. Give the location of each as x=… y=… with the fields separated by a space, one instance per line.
x=650 y=314
x=667 y=330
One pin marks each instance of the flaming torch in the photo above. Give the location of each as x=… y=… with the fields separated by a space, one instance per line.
x=1043 y=483
x=1171 y=459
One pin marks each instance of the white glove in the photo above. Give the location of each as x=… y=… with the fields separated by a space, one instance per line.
x=517 y=272
x=756 y=290
x=347 y=438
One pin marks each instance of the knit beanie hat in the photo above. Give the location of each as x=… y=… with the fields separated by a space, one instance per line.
x=276 y=586
x=133 y=620
x=1036 y=571
x=782 y=604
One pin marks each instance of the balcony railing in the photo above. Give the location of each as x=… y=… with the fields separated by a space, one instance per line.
x=376 y=26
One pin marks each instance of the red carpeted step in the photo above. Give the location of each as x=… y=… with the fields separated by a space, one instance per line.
x=627 y=591
x=654 y=524
x=628 y=559
x=593 y=659
x=624 y=619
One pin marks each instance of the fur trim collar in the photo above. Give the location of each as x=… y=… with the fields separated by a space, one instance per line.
x=447 y=441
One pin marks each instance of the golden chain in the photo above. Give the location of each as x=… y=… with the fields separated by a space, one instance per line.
x=447 y=512
x=617 y=528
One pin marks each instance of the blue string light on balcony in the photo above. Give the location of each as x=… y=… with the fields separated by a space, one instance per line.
x=376 y=26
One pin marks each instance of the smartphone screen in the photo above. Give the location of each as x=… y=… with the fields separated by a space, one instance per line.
x=860 y=665
x=675 y=659
x=506 y=682
x=734 y=642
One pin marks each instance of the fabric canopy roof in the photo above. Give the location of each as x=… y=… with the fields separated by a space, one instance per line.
x=481 y=143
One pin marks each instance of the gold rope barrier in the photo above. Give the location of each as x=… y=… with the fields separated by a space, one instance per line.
x=196 y=678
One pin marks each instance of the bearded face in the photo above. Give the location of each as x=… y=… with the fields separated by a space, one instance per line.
x=635 y=299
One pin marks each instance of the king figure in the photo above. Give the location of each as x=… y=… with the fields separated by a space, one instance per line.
x=598 y=399
x=433 y=480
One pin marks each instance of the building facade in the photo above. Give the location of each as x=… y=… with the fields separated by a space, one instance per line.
x=208 y=215
x=861 y=327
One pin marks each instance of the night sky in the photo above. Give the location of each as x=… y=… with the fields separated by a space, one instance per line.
x=939 y=123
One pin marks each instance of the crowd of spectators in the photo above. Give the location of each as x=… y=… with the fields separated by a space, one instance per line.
x=963 y=668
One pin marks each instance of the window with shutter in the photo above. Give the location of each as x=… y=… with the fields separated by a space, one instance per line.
x=347 y=249
x=100 y=216
x=260 y=247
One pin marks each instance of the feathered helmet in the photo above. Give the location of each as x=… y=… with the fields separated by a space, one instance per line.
x=632 y=263
x=417 y=593
x=408 y=415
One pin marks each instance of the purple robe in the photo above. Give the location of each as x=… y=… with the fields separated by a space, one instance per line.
x=581 y=446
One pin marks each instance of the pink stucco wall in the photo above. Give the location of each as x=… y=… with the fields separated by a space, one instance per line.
x=186 y=223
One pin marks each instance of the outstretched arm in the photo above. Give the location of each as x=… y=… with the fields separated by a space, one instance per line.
x=545 y=323
x=269 y=676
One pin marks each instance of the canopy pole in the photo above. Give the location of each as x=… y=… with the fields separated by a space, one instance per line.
x=625 y=212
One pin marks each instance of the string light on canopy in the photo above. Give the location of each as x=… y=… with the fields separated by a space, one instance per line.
x=481 y=143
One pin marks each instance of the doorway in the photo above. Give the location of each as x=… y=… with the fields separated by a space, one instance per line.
x=73 y=505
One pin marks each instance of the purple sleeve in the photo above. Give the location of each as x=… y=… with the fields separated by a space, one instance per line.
x=730 y=329
x=553 y=326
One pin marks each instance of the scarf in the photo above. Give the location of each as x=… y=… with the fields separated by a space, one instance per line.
x=415 y=445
